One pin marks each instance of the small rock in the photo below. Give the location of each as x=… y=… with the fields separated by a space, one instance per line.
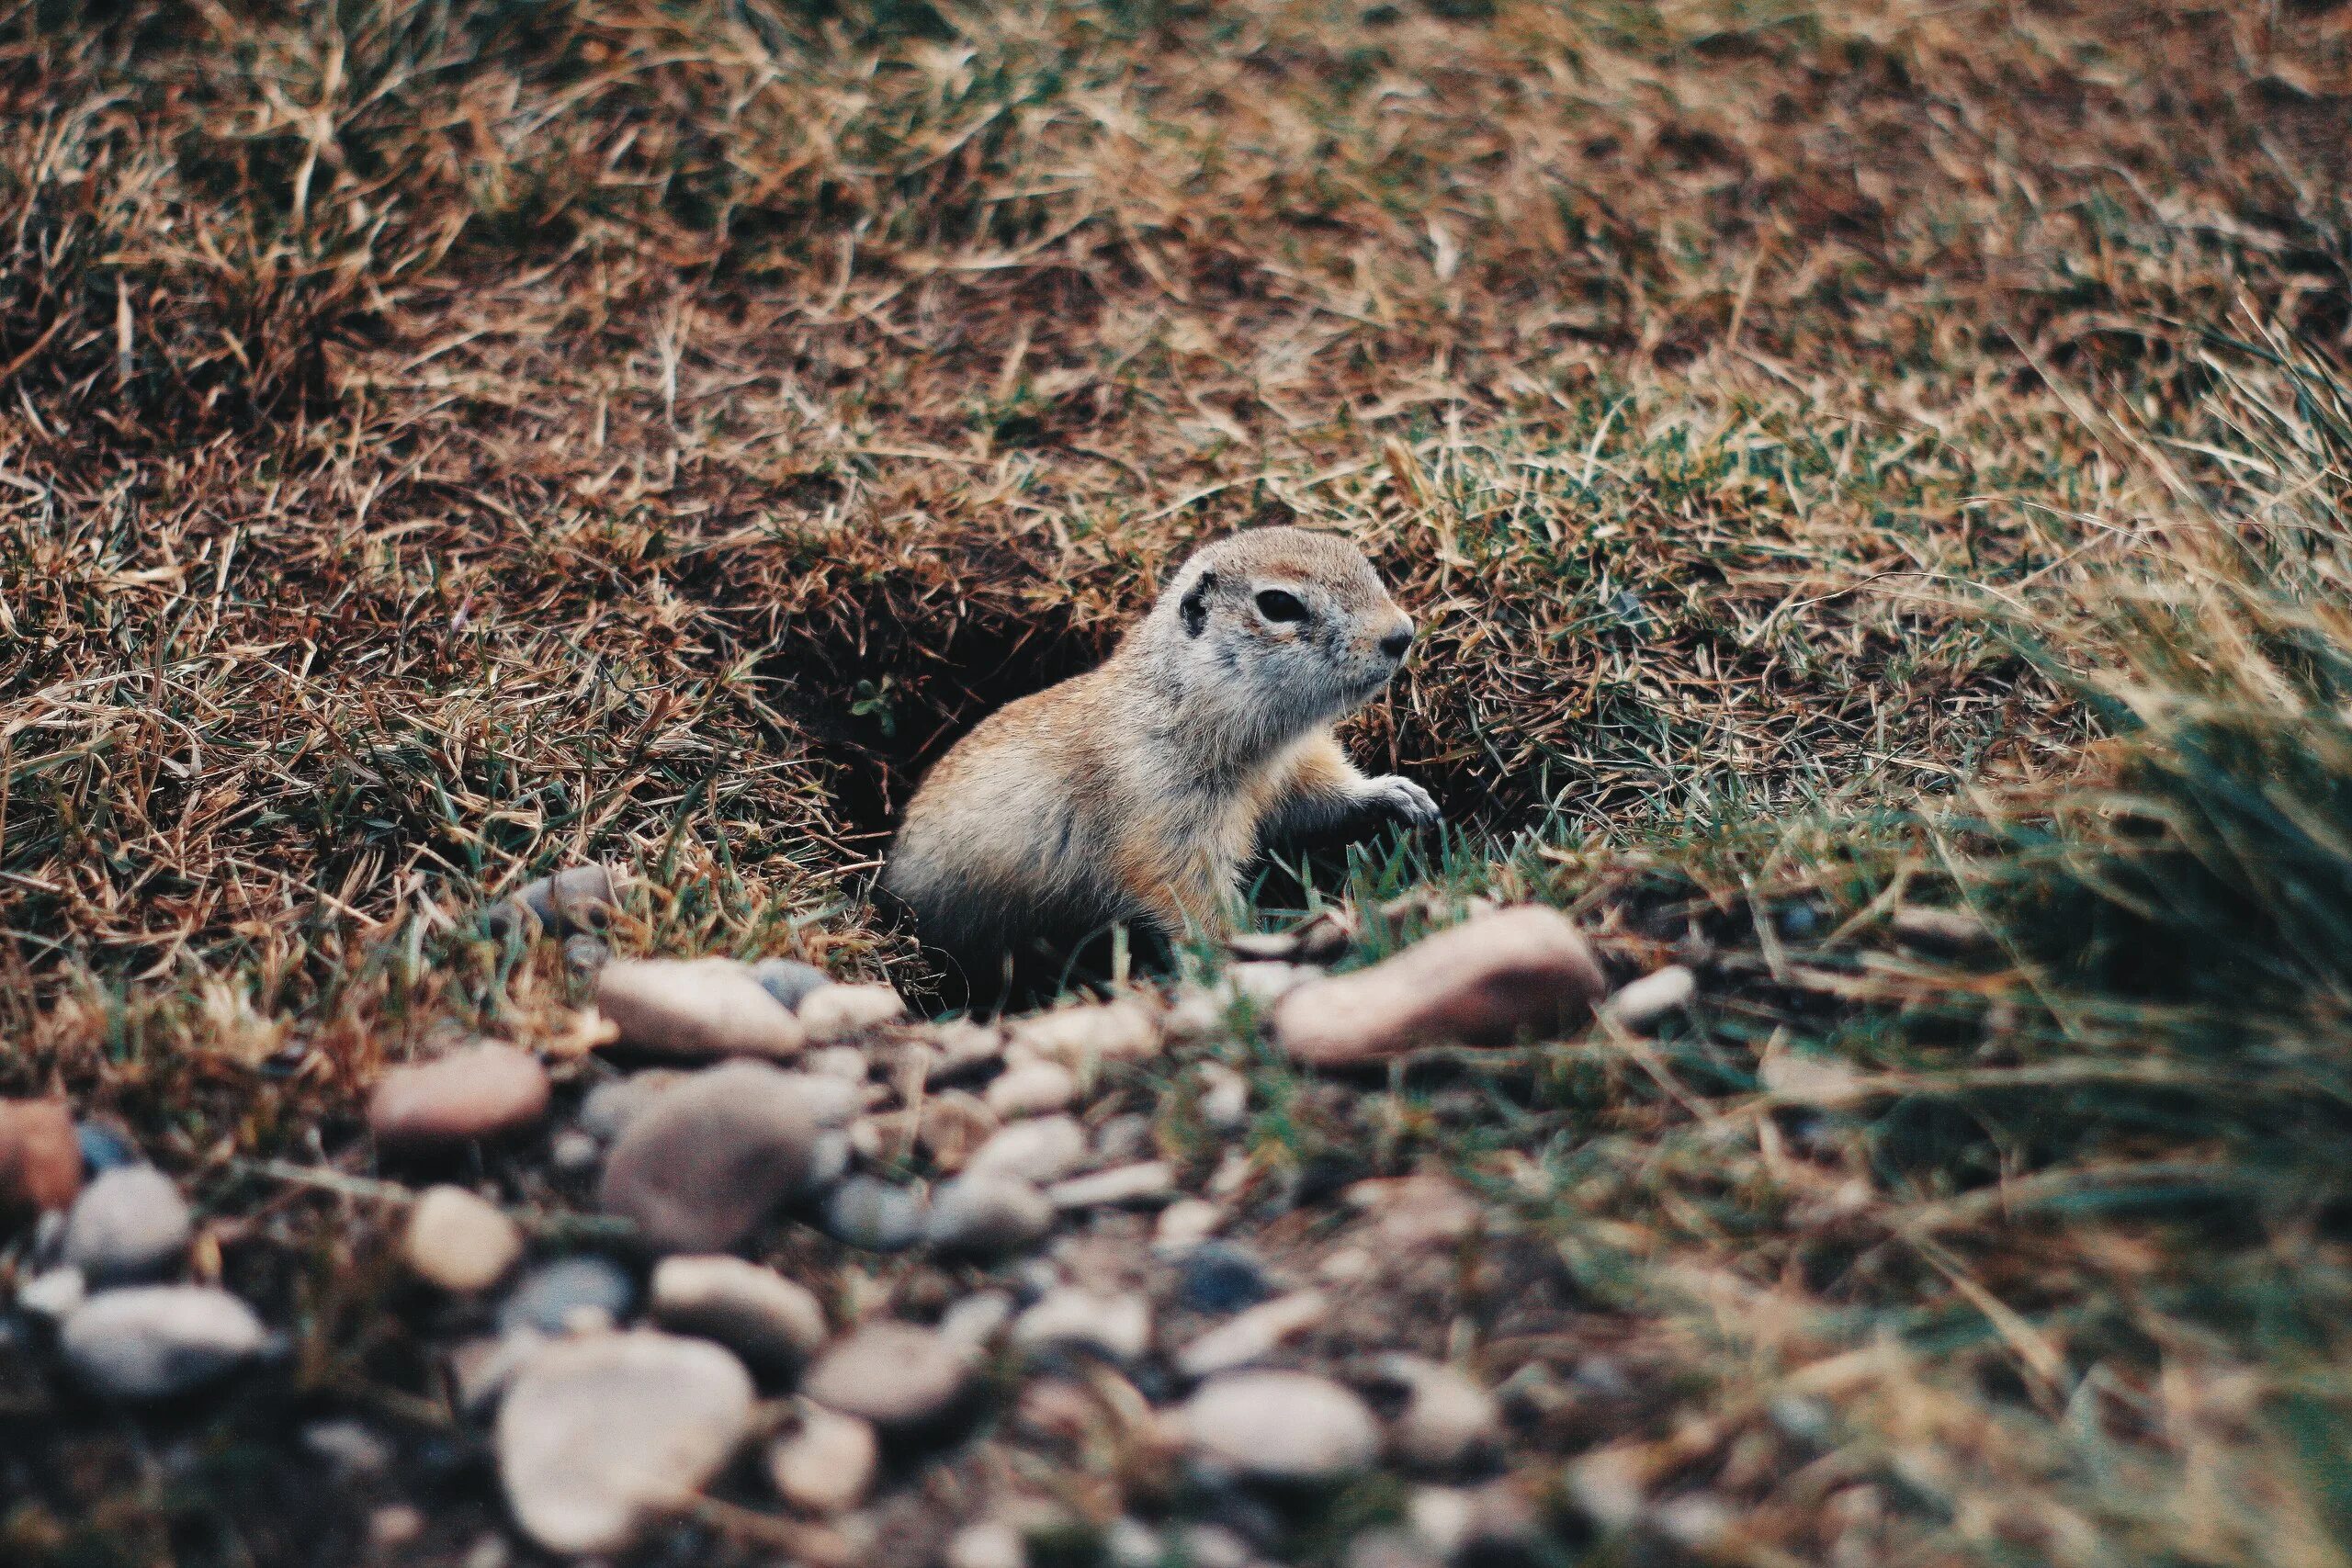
x=987 y=1215
x=1282 y=1426
x=349 y=1447
x=484 y=1091
x=770 y=1321
x=837 y=1013
x=574 y=1152
x=790 y=981
x=577 y=899
x=976 y=1321
x=602 y=1434
x=394 y=1526
x=1128 y=1543
x=1123 y=1139
x=1448 y=1421
x=482 y=1369
x=897 y=1375
x=40 y=1156
x=154 y=1341
x=992 y=1543
x=847 y=1063
x=607 y=1110
x=1119 y=1326
x=952 y=1127
x=1149 y=1182
x=570 y=1295
x=879 y=1216
x=702 y=1007
x=826 y=1466
x=1254 y=1334
x=53 y=1294
x=702 y=1166
x=1078 y=1037
x=131 y=1224
x=460 y=1242
x=1221 y=1278
x=1185 y=1224
x=1651 y=997
x=1412 y=1214
x=1045 y=1148
x=1224 y=1097
x=1484 y=982
x=1032 y=1088
x=966 y=1049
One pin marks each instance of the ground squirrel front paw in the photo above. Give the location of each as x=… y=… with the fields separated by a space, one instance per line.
x=1400 y=800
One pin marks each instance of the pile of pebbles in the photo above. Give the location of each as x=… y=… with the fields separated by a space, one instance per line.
x=1006 y=1255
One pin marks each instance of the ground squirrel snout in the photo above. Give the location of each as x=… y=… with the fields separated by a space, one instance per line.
x=1138 y=791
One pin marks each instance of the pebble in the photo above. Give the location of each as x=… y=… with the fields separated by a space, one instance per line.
x=1224 y=1097
x=699 y=1007
x=40 y=1156
x=1148 y=1182
x=991 y=1543
x=1078 y=1037
x=602 y=1434
x=988 y=1214
x=53 y=1294
x=349 y=1447
x=1123 y=1139
x=394 y=1526
x=1281 y=1426
x=773 y=1322
x=702 y=1166
x=1448 y=1421
x=1117 y=1326
x=789 y=980
x=106 y=1144
x=460 y=1242
x=574 y=1152
x=606 y=1109
x=480 y=1369
x=965 y=1049
x=952 y=1127
x=1254 y=1334
x=1646 y=1000
x=838 y=1012
x=154 y=1341
x=483 y=1091
x=826 y=1465
x=1185 y=1224
x=897 y=1375
x=569 y=1295
x=977 y=1319
x=1485 y=982
x=878 y=1215
x=578 y=899
x=131 y=1224
x=1032 y=1088
x=1045 y=1148
x=1221 y=1277
x=847 y=1063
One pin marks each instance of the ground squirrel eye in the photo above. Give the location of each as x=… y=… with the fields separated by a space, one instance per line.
x=1277 y=606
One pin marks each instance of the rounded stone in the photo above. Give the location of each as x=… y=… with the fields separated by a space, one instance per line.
x=1031 y=1089
x=602 y=1434
x=876 y=1215
x=1043 y=1149
x=988 y=1214
x=826 y=1465
x=40 y=1156
x=1118 y=1327
x=155 y=1341
x=897 y=1375
x=789 y=980
x=1077 y=1037
x=1220 y=1277
x=1447 y=1422
x=702 y=1167
x=837 y=1013
x=131 y=1224
x=770 y=1321
x=485 y=1091
x=1280 y=1426
x=700 y=1007
x=569 y=1295
x=459 y=1241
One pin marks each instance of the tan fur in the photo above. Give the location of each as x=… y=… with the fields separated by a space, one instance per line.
x=1138 y=791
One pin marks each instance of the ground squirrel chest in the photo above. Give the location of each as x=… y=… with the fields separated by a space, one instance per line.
x=1137 y=792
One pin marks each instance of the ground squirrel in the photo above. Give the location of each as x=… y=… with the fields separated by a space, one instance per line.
x=1136 y=792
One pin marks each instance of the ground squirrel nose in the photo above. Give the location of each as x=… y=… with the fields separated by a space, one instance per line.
x=1397 y=642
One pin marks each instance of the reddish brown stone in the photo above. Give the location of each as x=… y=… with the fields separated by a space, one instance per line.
x=483 y=1091
x=41 y=1163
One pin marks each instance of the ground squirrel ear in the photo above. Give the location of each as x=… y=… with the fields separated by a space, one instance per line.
x=1195 y=606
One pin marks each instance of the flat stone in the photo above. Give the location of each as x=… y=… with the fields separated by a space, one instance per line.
x=876 y=1215
x=770 y=1321
x=827 y=1464
x=1185 y=1224
x=1080 y=1037
x=577 y=899
x=40 y=1156
x=847 y=1063
x=1117 y=1326
x=1221 y=1277
x=483 y=1091
x=991 y=1543
x=789 y=980
x=155 y=1341
x=54 y=1294
x=1041 y=1149
x=699 y=1007
x=1151 y=1181
x=1486 y=982
x=1448 y=1422
x=570 y=1295
x=600 y=1435
x=897 y=1375
x=1254 y=1334
x=1031 y=1089
x=459 y=1241
x=988 y=1214
x=1651 y=997
x=839 y=1012
x=131 y=1224
x=700 y=1168
x=1280 y=1426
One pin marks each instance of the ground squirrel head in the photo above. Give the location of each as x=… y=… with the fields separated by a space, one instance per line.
x=1273 y=632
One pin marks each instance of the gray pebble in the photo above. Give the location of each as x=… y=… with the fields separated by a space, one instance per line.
x=568 y=1295
x=866 y=1212
x=789 y=980
x=988 y=1215
x=154 y=1341
x=131 y=1224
